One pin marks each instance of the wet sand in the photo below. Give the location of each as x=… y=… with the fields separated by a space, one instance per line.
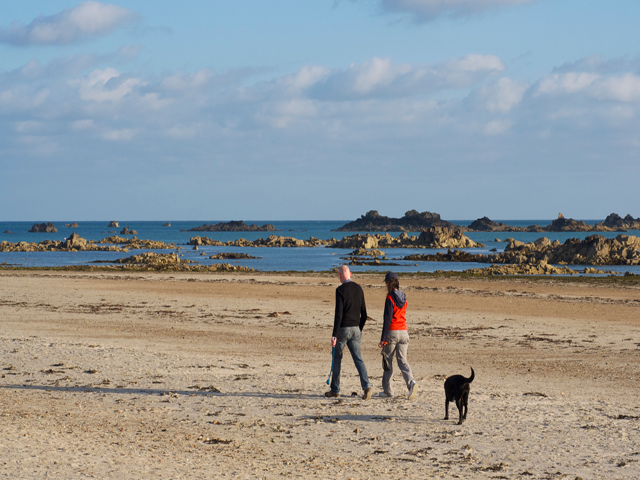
x=185 y=375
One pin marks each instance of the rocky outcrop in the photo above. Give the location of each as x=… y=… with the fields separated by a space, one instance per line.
x=113 y=225
x=74 y=243
x=412 y=221
x=9 y=232
x=271 y=241
x=539 y=268
x=363 y=252
x=137 y=243
x=613 y=224
x=232 y=256
x=615 y=221
x=562 y=224
x=450 y=256
x=434 y=237
x=593 y=250
x=376 y=262
x=154 y=259
x=233 y=226
x=71 y=225
x=126 y=231
x=485 y=224
x=168 y=224
x=172 y=261
x=43 y=228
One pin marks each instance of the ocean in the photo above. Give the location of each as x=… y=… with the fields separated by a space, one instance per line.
x=271 y=259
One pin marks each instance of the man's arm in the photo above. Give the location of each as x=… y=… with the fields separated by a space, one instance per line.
x=363 y=311
x=339 y=310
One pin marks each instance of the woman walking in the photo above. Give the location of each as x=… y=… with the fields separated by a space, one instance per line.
x=395 y=338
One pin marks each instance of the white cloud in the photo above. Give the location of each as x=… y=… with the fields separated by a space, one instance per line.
x=87 y=20
x=501 y=96
x=566 y=82
x=182 y=81
x=625 y=88
x=105 y=86
x=476 y=63
x=617 y=88
x=118 y=135
x=426 y=10
x=380 y=77
x=497 y=127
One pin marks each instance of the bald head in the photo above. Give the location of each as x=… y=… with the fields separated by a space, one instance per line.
x=344 y=273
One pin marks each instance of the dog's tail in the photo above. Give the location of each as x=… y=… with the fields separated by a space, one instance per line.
x=473 y=375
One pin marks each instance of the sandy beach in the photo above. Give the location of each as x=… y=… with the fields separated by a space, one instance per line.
x=190 y=375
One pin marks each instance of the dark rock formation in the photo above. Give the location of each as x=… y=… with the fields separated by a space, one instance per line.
x=113 y=225
x=232 y=256
x=362 y=262
x=434 y=237
x=450 y=256
x=561 y=224
x=43 y=228
x=616 y=222
x=413 y=221
x=126 y=231
x=71 y=225
x=484 y=224
x=271 y=241
x=9 y=232
x=233 y=226
x=168 y=224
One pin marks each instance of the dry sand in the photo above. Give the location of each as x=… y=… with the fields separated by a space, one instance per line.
x=158 y=375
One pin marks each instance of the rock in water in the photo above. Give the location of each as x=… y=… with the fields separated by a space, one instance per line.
x=43 y=228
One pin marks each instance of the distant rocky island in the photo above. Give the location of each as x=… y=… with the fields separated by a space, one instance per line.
x=613 y=223
x=413 y=221
x=43 y=228
x=233 y=226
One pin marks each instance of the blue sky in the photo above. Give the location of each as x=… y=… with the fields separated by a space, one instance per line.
x=325 y=109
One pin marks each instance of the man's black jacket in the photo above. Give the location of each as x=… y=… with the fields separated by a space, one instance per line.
x=351 y=310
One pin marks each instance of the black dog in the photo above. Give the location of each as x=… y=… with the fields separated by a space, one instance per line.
x=457 y=388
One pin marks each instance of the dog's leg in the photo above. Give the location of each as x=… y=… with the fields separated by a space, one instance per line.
x=446 y=409
x=465 y=401
x=460 y=406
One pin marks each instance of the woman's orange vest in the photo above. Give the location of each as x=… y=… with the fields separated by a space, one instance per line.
x=398 y=322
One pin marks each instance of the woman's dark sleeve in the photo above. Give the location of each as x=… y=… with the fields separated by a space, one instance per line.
x=388 y=315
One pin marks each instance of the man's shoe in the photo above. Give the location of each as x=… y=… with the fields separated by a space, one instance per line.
x=331 y=393
x=413 y=390
x=386 y=395
x=367 y=393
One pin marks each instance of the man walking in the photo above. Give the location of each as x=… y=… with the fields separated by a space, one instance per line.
x=351 y=315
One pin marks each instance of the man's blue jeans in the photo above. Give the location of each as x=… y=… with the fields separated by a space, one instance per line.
x=349 y=336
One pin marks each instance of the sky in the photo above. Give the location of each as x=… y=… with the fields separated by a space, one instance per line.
x=323 y=109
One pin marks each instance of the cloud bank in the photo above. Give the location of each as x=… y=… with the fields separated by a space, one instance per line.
x=211 y=129
x=426 y=10
x=87 y=20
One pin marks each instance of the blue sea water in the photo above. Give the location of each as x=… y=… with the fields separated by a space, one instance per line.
x=271 y=259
